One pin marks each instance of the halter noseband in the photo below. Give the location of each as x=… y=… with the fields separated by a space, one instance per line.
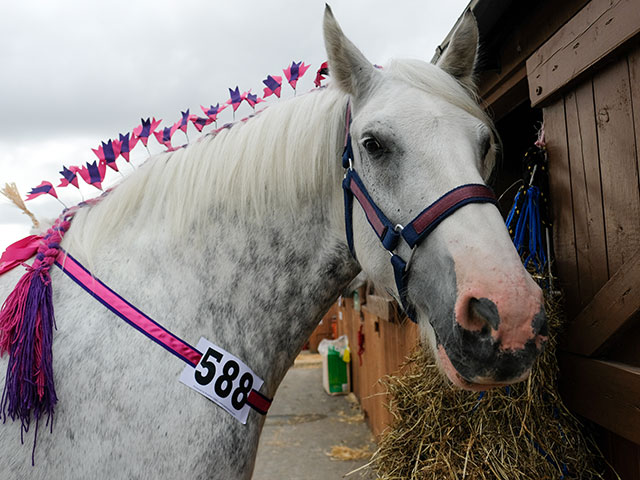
x=415 y=231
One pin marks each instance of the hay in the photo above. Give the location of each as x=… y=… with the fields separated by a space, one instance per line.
x=350 y=419
x=523 y=432
x=10 y=191
x=357 y=415
x=344 y=453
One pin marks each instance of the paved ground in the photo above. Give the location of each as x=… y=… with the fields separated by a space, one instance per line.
x=303 y=425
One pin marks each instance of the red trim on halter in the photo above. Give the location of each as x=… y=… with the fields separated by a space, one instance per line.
x=450 y=199
x=369 y=211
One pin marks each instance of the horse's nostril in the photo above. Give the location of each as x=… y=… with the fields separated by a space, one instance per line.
x=483 y=313
x=540 y=324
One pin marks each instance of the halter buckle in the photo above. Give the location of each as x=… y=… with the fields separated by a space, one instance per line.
x=348 y=169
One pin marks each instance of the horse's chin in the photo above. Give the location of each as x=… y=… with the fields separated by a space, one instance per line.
x=478 y=385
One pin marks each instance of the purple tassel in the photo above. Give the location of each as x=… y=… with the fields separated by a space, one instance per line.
x=26 y=333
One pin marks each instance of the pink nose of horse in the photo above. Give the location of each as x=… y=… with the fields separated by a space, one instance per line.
x=500 y=333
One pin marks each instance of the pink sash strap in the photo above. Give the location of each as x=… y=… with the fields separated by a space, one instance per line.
x=141 y=322
x=127 y=312
x=19 y=252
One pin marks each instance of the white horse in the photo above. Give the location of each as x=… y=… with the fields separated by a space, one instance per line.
x=240 y=238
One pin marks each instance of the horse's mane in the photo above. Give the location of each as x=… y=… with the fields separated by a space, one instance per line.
x=284 y=156
x=276 y=159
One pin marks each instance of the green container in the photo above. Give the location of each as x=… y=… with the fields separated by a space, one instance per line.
x=337 y=372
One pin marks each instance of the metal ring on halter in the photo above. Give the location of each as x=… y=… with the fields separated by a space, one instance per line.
x=398 y=228
x=348 y=169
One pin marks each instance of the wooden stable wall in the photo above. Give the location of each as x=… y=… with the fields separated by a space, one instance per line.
x=586 y=78
x=592 y=141
x=592 y=137
x=387 y=342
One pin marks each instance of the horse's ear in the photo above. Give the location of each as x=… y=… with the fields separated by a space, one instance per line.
x=459 y=59
x=347 y=65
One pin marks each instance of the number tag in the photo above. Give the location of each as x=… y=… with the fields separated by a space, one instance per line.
x=223 y=378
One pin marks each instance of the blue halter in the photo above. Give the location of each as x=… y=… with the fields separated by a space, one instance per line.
x=415 y=231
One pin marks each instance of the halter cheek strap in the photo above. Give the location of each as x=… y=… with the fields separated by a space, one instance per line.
x=415 y=231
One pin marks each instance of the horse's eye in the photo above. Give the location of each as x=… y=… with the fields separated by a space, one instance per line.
x=372 y=146
x=486 y=146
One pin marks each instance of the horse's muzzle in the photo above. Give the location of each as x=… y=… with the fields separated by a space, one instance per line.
x=491 y=346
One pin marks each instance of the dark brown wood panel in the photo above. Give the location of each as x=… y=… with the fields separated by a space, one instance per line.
x=537 y=27
x=607 y=393
x=562 y=203
x=634 y=75
x=621 y=453
x=508 y=95
x=586 y=191
x=592 y=34
x=626 y=346
x=612 y=310
x=618 y=164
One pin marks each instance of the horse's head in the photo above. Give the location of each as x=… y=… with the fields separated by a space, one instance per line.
x=417 y=132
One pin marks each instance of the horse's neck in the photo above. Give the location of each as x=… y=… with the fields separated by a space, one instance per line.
x=267 y=283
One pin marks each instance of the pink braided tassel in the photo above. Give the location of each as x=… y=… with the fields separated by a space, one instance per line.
x=26 y=333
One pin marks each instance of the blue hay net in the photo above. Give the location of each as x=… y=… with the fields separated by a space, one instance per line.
x=528 y=217
x=524 y=221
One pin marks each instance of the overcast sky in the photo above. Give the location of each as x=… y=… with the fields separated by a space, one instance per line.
x=75 y=72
